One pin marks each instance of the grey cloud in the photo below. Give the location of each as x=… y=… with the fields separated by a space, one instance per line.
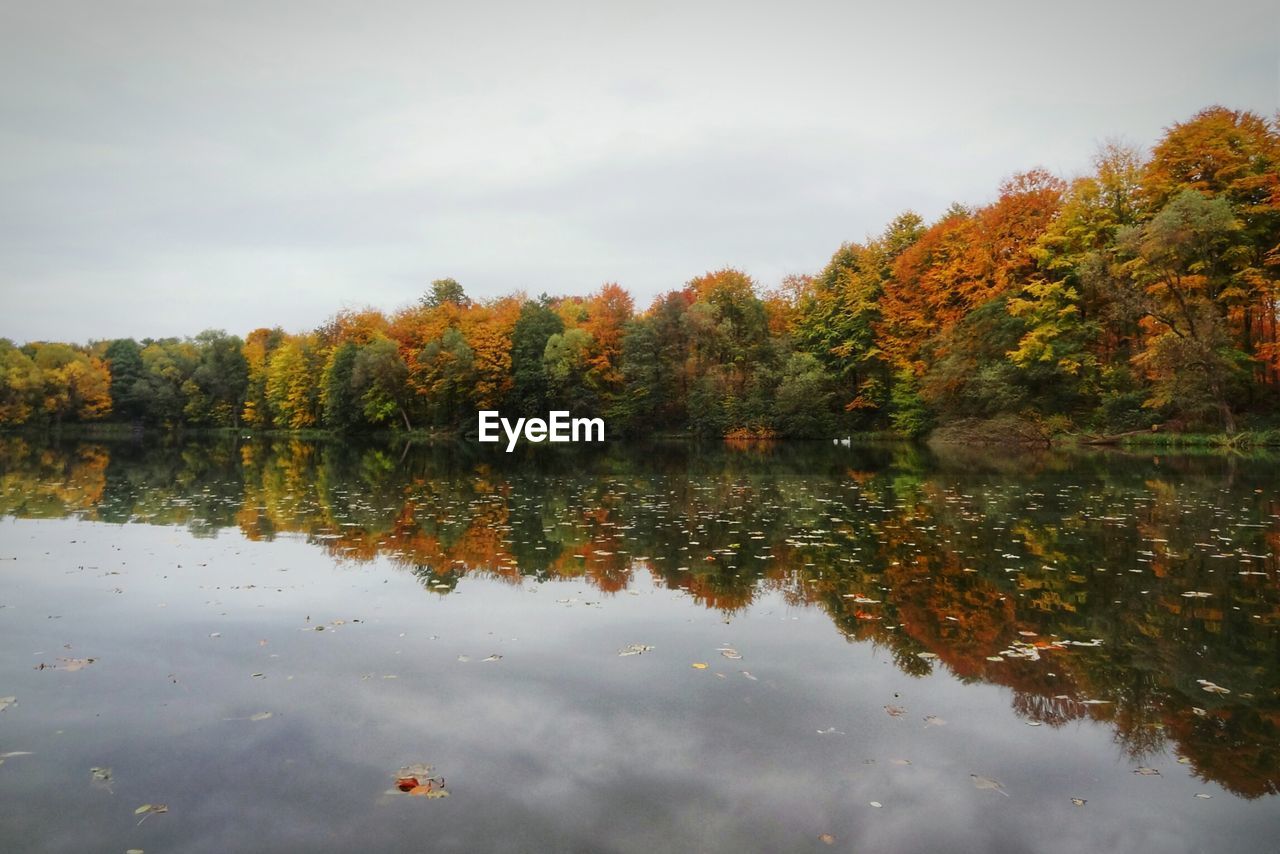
x=164 y=167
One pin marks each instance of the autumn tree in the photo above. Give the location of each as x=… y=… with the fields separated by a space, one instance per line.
x=1233 y=155
x=20 y=386
x=73 y=384
x=293 y=383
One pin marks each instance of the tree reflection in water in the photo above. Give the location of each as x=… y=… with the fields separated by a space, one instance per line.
x=986 y=564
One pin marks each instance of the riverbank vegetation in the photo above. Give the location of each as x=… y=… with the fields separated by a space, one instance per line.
x=1144 y=294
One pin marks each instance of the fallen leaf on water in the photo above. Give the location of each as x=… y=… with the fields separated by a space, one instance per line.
x=927 y=656
x=260 y=716
x=934 y=720
x=699 y=665
x=71 y=665
x=730 y=652
x=6 y=702
x=1079 y=801
x=100 y=778
x=635 y=649
x=895 y=711
x=147 y=810
x=494 y=657
x=1184 y=760
x=416 y=780
x=900 y=761
x=1212 y=688
x=988 y=784
x=1203 y=796
x=1035 y=723
x=747 y=673
x=875 y=804
x=826 y=839
x=431 y=789
x=830 y=731
x=1146 y=772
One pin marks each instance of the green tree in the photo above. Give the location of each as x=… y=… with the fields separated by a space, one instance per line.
x=342 y=410
x=216 y=390
x=1184 y=259
x=566 y=361
x=445 y=292
x=530 y=387
x=128 y=379
x=380 y=378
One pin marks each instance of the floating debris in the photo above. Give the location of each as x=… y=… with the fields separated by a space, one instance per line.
x=11 y=754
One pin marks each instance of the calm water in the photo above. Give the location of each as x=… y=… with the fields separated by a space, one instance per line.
x=868 y=650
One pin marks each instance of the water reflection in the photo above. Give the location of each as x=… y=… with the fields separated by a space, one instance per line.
x=1137 y=591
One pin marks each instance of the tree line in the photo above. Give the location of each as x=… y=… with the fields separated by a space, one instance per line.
x=1145 y=292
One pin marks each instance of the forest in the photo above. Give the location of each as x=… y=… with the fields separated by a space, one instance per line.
x=1144 y=294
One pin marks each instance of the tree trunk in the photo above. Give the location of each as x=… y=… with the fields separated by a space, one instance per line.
x=1228 y=419
x=1114 y=438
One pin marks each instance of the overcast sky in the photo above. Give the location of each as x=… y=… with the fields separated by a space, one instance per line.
x=173 y=166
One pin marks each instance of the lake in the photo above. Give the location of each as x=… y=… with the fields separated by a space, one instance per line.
x=213 y=645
